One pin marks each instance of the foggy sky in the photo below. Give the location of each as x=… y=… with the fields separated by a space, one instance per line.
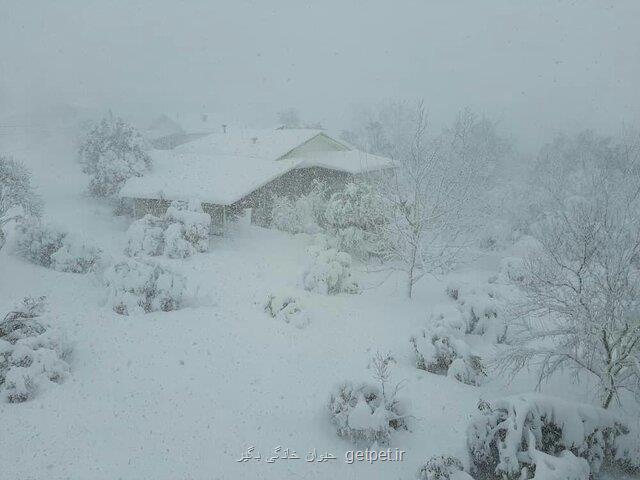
x=537 y=66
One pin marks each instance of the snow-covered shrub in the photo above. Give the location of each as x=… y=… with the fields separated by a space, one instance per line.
x=302 y=215
x=37 y=242
x=329 y=271
x=287 y=308
x=443 y=467
x=453 y=291
x=284 y=216
x=434 y=352
x=181 y=232
x=53 y=248
x=76 y=255
x=111 y=153
x=16 y=189
x=175 y=245
x=507 y=438
x=364 y=414
x=627 y=451
x=32 y=354
x=194 y=224
x=469 y=370
x=354 y=216
x=496 y=235
x=442 y=351
x=480 y=310
x=136 y=287
x=145 y=237
x=512 y=270
x=367 y=413
x=565 y=466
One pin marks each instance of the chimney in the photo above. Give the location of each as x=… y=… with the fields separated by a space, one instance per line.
x=224 y=128
x=254 y=140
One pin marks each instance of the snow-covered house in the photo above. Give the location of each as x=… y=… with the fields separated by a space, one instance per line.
x=165 y=132
x=233 y=171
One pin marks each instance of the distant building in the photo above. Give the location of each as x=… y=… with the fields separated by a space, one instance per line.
x=166 y=133
x=233 y=171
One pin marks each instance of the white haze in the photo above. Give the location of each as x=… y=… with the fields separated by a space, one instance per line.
x=537 y=67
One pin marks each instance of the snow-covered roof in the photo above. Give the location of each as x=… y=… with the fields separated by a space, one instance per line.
x=223 y=168
x=222 y=180
x=266 y=144
x=351 y=161
x=163 y=126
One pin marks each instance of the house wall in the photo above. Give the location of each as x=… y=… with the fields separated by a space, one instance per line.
x=149 y=206
x=292 y=184
x=157 y=207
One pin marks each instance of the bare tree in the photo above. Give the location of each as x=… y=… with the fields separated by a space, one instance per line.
x=289 y=118
x=581 y=294
x=384 y=129
x=429 y=195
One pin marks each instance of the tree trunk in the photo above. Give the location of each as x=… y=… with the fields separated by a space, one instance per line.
x=410 y=272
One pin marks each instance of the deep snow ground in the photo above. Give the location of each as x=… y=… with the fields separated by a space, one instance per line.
x=182 y=395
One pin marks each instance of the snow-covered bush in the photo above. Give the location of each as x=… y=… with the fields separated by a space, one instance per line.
x=181 y=232
x=16 y=189
x=443 y=467
x=496 y=236
x=194 y=224
x=469 y=370
x=32 y=354
x=76 y=255
x=453 y=291
x=329 y=271
x=355 y=418
x=136 y=287
x=175 y=245
x=566 y=466
x=53 y=248
x=364 y=414
x=514 y=437
x=287 y=308
x=512 y=270
x=367 y=413
x=480 y=310
x=435 y=352
x=627 y=451
x=145 y=237
x=284 y=216
x=37 y=242
x=353 y=216
x=442 y=351
x=302 y=215
x=111 y=153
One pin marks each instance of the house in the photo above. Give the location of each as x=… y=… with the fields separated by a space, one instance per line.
x=233 y=171
x=166 y=133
